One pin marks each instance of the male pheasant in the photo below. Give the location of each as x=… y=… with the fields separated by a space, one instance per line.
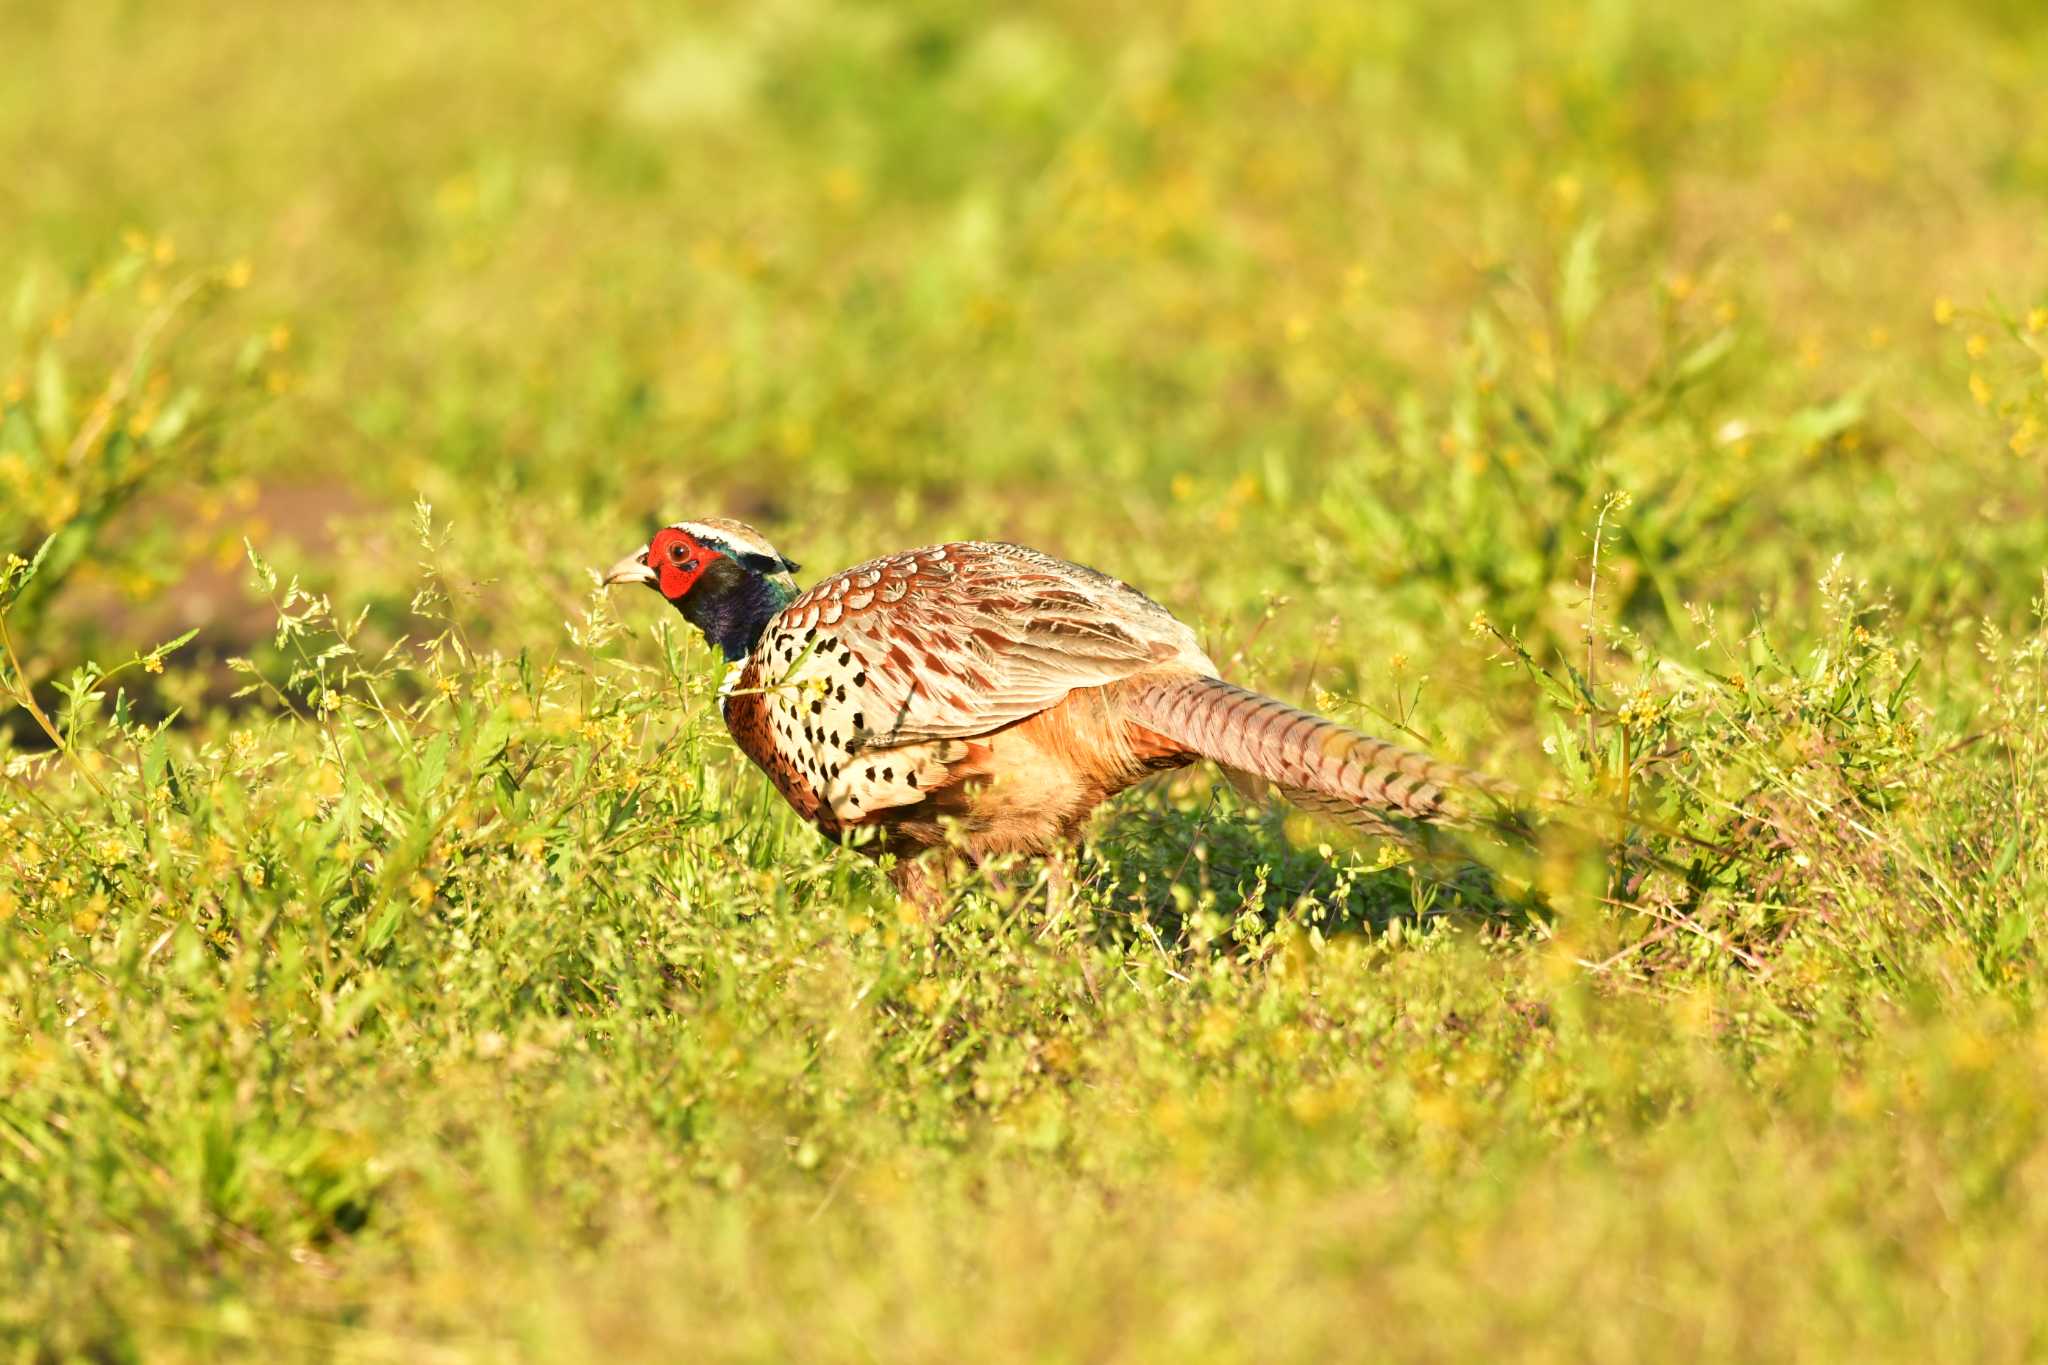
x=997 y=692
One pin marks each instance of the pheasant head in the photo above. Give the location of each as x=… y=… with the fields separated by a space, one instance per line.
x=722 y=575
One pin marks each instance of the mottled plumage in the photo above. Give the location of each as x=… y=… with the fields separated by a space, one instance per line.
x=997 y=692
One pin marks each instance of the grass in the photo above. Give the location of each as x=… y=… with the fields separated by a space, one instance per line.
x=397 y=961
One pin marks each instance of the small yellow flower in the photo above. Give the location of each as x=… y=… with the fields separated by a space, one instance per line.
x=1680 y=287
x=152 y=664
x=2037 y=321
x=1977 y=345
x=87 y=917
x=844 y=186
x=237 y=274
x=164 y=252
x=1944 y=311
x=1980 y=390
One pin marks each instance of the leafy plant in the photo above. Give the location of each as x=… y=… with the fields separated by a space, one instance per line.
x=111 y=387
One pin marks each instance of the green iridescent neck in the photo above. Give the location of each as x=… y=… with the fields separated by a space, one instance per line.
x=733 y=605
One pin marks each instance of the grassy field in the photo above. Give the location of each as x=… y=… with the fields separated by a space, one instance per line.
x=406 y=967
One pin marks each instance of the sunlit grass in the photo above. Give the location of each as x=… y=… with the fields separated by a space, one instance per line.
x=405 y=966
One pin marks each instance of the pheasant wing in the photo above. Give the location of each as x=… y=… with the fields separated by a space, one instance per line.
x=958 y=640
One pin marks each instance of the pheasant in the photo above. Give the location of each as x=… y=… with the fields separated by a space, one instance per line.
x=998 y=693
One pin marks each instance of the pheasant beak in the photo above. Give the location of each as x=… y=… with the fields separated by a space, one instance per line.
x=632 y=569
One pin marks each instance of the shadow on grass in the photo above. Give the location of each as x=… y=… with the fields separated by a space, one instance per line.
x=1154 y=867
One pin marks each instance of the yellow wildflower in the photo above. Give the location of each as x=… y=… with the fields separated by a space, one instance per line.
x=87 y=917
x=844 y=186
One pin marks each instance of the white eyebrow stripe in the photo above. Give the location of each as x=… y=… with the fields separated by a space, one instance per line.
x=721 y=539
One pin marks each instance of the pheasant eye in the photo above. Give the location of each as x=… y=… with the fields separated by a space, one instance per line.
x=675 y=552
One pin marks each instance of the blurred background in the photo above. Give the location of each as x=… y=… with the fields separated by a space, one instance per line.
x=1371 y=308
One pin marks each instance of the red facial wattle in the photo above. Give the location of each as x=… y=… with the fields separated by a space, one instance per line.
x=678 y=562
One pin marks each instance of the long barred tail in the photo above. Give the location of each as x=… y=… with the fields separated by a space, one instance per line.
x=1318 y=764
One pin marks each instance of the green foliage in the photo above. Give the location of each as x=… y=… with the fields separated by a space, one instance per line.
x=397 y=961
x=104 y=404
